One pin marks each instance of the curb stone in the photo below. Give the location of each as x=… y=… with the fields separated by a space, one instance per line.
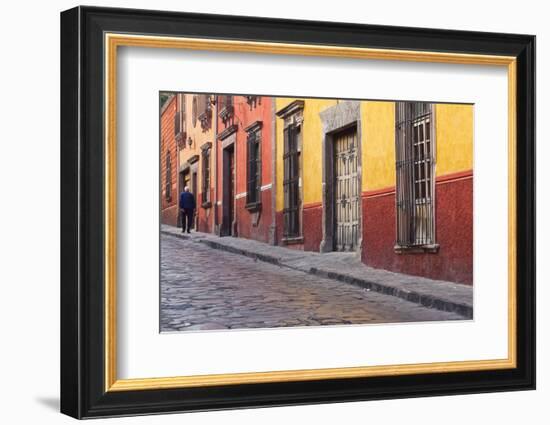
x=428 y=301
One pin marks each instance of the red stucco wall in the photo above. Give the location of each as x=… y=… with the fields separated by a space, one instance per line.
x=205 y=215
x=312 y=230
x=170 y=215
x=244 y=116
x=169 y=209
x=246 y=228
x=454 y=234
x=312 y=227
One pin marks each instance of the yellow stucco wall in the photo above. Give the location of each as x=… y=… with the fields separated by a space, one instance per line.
x=454 y=141
x=454 y=144
x=378 y=145
x=312 y=152
x=454 y=138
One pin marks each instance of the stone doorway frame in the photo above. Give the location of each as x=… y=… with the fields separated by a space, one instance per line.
x=337 y=118
x=228 y=228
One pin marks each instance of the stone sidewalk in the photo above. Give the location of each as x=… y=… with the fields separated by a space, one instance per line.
x=345 y=267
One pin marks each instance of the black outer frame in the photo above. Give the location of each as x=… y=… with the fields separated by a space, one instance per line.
x=82 y=206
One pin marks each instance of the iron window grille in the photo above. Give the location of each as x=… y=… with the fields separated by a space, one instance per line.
x=205 y=177
x=253 y=101
x=225 y=101
x=194 y=110
x=204 y=111
x=291 y=182
x=415 y=166
x=226 y=109
x=179 y=121
x=254 y=177
x=168 y=178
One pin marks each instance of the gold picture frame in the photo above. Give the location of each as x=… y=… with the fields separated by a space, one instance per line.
x=114 y=41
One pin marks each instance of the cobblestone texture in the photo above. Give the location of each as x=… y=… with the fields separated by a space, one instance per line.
x=204 y=288
x=347 y=267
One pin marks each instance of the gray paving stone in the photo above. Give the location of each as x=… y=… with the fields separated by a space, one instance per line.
x=345 y=267
x=205 y=288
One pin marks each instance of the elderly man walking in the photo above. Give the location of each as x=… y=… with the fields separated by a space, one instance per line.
x=187 y=206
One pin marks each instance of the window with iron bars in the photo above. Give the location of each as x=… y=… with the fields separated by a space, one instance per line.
x=253 y=101
x=291 y=182
x=168 y=178
x=177 y=123
x=254 y=176
x=205 y=176
x=202 y=104
x=415 y=164
x=194 y=110
x=225 y=108
x=204 y=111
x=225 y=101
x=179 y=120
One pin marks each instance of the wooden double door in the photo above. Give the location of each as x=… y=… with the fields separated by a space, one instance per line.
x=347 y=191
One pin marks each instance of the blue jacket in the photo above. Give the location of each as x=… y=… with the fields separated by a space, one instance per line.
x=187 y=201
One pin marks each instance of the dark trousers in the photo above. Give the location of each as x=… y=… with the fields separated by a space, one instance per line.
x=187 y=215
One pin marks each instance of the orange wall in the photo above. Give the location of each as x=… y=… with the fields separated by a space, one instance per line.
x=168 y=143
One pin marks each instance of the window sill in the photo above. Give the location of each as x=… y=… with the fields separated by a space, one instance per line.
x=253 y=206
x=293 y=240
x=418 y=249
x=206 y=205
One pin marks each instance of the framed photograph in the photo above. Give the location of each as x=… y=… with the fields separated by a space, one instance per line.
x=261 y=212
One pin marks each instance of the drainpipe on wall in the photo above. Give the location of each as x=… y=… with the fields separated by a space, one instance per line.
x=179 y=189
x=214 y=166
x=273 y=229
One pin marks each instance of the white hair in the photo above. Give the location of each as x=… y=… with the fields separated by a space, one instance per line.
x=186 y=189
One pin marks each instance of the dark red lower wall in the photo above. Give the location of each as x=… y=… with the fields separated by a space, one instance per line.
x=205 y=217
x=279 y=228
x=246 y=228
x=454 y=234
x=169 y=215
x=312 y=227
x=312 y=231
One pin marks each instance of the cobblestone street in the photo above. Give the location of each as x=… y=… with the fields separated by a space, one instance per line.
x=204 y=289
